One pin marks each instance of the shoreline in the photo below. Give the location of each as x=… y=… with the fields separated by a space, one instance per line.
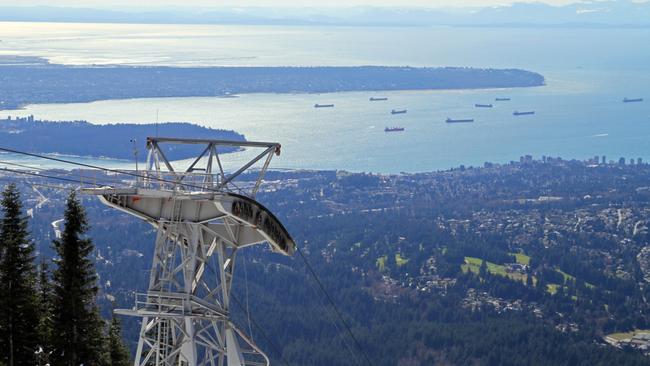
x=110 y=141
x=24 y=107
x=460 y=168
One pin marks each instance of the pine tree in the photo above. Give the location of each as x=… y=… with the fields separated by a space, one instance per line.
x=118 y=354
x=79 y=328
x=483 y=269
x=45 y=315
x=18 y=301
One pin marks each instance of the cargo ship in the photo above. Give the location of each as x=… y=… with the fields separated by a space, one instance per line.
x=393 y=129
x=483 y=105
x=398 y=111
x=323 y=105
x=527 y=113
x=501 y=99
x=467 y=120
x=632 y=100
x=375 y=99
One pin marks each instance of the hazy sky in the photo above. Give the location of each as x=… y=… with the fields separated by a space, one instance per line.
x=267 y=3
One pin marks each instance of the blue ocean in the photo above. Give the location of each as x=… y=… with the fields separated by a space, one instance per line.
x=579 y=113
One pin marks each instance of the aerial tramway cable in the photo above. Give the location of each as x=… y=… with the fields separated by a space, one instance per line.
x=81 y=177
x=336 y=309
x=333 y=319
x=96 y=167
x=117 y=171
x=44 y=176
x=261 y=331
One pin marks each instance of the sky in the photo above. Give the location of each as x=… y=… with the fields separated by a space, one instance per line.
x=113 y=4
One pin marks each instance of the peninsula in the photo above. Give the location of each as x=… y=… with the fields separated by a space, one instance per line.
x=30 y=81
x=111 y=141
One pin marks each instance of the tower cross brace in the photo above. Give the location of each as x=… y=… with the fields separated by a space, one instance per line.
x=203 y=216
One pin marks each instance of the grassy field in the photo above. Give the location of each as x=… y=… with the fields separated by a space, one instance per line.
x=572 y=278
x=522 y=258
x=567 y=277
x=381 y=261
x=628 y=335
x=473 y=264
x=400 y=260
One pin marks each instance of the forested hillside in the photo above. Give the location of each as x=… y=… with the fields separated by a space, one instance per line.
x=526 y=263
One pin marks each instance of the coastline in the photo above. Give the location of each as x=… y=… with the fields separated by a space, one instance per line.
x=110 y=141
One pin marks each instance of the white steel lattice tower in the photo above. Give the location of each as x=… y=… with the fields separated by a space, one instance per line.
x=203 y=218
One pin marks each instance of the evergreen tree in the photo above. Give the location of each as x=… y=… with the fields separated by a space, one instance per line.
x=45 y=315
x=118 y=354
x=79 y=328
x=483 y=269
x=18 y=301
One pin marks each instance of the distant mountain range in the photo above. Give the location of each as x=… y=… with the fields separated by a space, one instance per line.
x=582 y=14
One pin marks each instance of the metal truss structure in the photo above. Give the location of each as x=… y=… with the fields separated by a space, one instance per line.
x=203 y=216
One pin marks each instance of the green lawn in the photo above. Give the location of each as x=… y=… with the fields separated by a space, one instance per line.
x=572 y=278
x=400 y=260
x=522 y=258
x=628 y=335
x=381 y=263
x=566 y=276
x=473 y=264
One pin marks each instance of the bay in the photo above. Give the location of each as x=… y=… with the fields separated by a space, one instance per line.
x=579 y=113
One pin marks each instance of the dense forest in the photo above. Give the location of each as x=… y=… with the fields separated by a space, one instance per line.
x=110 y=141
x=51 y=316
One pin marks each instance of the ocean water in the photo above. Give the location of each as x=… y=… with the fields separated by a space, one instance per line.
x=579 y=113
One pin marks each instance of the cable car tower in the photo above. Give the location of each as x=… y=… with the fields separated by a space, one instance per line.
x=203 y=216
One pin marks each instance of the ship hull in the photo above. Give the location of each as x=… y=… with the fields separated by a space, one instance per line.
x=469 y=120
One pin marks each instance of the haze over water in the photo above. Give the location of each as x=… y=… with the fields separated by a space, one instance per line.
x=579 y=113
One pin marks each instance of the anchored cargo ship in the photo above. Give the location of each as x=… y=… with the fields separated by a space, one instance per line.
x=501 y=99
x=467 y=120
x=527 y=113
x=396 y=111
x=323 y=105
x=483 y=105
x=393 y=129
x=375 y=99
x=632 y=100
